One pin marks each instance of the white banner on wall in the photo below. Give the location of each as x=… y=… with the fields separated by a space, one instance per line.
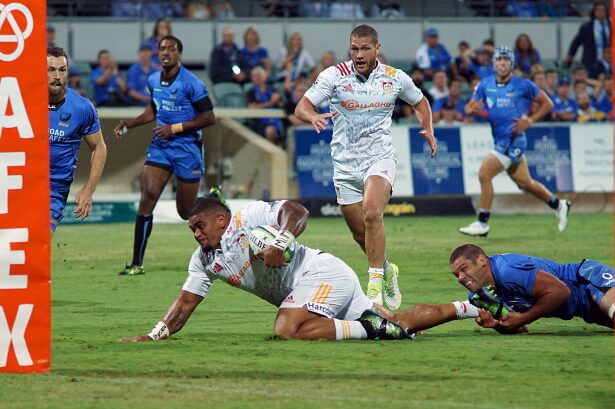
x=591 y=148
x=403 y=179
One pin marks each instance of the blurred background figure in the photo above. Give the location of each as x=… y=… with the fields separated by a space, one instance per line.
x=525 y=54
x=136 y=77
x=109 y=86
x=327 y=59
x=162 y=28
x=261 y=95
x=226 y=63
x=253 y=54
x=294 y=59
x=432 y=55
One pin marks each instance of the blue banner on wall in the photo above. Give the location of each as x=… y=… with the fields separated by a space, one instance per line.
x=548 y=157
x=313 y=163
x=439 y=175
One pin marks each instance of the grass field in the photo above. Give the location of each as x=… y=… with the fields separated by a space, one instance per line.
x=223 y=357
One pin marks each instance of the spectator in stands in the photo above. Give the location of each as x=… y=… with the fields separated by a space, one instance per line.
x=346 y=10
x=489 y=46
x=292 y=99
x=74 y=80
x=540 y=79
x=564 y=107
x=327 y=59
x=582 y=82
x=162 y=9
x=552 y=77
x=222 y=10
x=448 y=115
x=432 y=55
x=253 y=54
x=595 y=37
x=481 y=65
x=162 y=28
x=386 y=9
x=226 y=63
x=454 y=97
x=261 y=95
x=525 y=54
x=439 y=89
x=460 y=68
x=109 y=87
x=516 y=8
x=136 y=77
x=51 y=36
x=587 y=112
x=294 y=59
x=481 y=115
x=418 y=77
x=603 y=95
x=198 y=9
x=282 y=8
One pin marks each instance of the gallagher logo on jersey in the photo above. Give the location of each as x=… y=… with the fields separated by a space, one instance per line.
x=351 y=105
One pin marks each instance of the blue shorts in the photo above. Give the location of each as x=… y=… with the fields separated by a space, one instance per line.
x=181 y=157
x=512 y=149
x=58 y=196
x=595 y=280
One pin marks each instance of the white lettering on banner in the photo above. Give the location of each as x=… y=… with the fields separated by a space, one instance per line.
x=18 y=37
x=9 y=257
x=591 y=149
x=9 y=182
x=9 y=92
x=15 y=336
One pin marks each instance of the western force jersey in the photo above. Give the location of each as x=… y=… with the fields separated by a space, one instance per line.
x=69 y=121
x=175 y=100
x=362 y=126
x=235 y=263
x=504 y=103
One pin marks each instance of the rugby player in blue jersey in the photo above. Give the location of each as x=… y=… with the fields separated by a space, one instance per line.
x=181 y=107
x=508 y=99
x=71 y=118
x=534 y=287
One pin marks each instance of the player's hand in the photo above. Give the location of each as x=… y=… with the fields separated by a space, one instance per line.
x=320 y=121
x=120 y=129
x=521 y=124
x=273 y=257
x=163 y=131
x=485 y=319
x=473 y=106
x=512 y=321
x=83 y=203
x=431 y=140
x=138 y=338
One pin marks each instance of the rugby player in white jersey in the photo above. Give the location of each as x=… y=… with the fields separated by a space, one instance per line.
x=318 y=295
x=362 y=94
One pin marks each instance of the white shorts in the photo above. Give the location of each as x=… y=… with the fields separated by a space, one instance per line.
x=506 y=161
x=329 y=288
x=349 y=185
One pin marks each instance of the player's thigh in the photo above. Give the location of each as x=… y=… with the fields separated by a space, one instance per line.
x=520 y=173
x=289 y=320
x=353 y=216
x=490 y=167
x=153 y=180
x=599 y=280
x=379 y=181
x=186 y=195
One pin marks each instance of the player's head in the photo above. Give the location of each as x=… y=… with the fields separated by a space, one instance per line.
x=208 y=219
x=57 y=72
x=470 y=265
x=364 y=49
x=503 y=60
x=170 y=49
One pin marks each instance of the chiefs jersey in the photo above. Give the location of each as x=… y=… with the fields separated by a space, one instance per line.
x=362 y=126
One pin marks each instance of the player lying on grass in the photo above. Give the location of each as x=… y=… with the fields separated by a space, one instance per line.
x=529 y=288
x=318 y=295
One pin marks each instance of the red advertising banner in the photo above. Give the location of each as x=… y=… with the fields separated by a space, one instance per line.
x=25 y=313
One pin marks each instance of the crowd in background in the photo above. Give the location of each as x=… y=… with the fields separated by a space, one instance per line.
x=581 y=92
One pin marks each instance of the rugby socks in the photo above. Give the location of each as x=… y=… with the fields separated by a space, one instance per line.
x=349 y=330
x=143 y=228
x=553 y=202
x=483 y=215
x=375 y=275
x=465 y=310
x=386 y=264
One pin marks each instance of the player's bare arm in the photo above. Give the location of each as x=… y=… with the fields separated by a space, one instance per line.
x=83 y=199
x=550 y=293
x=544 y=107
x=423 y=114
x=147 y=116
x=306 y=111
x=292 y=219
x=204 y=118
x=174 y=320
x=473 y=106
x=486 y=320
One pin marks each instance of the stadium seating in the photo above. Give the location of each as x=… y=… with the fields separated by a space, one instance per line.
x=229 y=95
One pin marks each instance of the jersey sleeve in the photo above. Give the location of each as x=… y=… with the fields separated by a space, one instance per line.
x=90 y=124
x=479 y=92
x=532 y=90
x=517 y=274
x=198 y=281
x=261 y=213
x=323 y=87
x=409 y=92
x=197 y=90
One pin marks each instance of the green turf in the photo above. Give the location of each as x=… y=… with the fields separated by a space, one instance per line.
x=223 y=357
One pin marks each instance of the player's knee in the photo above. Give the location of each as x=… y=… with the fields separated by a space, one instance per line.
x=484 y=177
x=286 y=331
x=524 y=185
x=372 y=216
x=182 y=211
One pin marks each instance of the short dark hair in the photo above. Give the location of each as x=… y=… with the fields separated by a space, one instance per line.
x=56 y=52
x=468 y=251
x=206 y=205
x=101 y=52
x=365 y=31
x=180 y=46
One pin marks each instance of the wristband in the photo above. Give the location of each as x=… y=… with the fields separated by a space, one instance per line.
x=530 y=121
x=160 y=331
x=283 y=240
x=177 y=128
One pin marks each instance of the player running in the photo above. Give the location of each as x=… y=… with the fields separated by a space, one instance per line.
x=508 y=99
x=318 y=295
x=181 y=107
x=71 y=118
x=362 y=94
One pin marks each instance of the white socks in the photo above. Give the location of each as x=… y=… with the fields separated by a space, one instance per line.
x=375 y=275
x=465 y=310
x=349 y=330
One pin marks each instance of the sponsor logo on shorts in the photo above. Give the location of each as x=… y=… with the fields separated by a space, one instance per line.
x=320 y=309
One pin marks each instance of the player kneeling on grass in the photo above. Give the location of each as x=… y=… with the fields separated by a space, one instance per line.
x=318 y=295
x=515 y=290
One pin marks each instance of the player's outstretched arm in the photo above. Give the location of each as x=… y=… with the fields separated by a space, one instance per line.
x=292 y=219
x=173 y=321
x=147 y=116
x=306 y=111
x=83 y=199
x=423 y=114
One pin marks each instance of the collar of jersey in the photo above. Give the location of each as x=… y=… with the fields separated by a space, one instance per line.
x=360 y=77
x=55 y=107
x=169 y=82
